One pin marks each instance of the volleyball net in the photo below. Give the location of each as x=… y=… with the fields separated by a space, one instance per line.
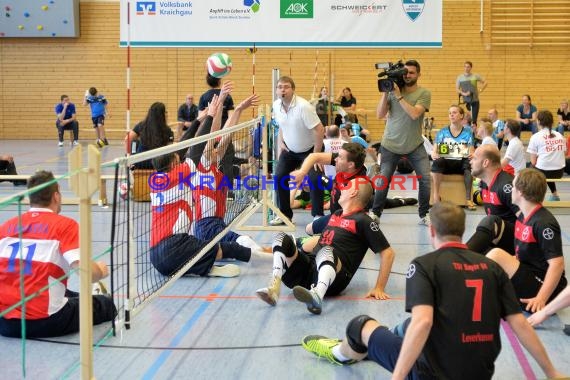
x=163 y=192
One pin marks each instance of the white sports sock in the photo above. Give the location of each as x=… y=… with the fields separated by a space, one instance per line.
x=338 y=355
x=246 y=241
x=327 y=275
x=278 y=264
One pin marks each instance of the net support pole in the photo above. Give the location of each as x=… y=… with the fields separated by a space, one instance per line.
x=84 y=184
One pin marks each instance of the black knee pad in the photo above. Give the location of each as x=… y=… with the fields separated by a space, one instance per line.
x=490 y=224
x=354 y=333
x=285 y=244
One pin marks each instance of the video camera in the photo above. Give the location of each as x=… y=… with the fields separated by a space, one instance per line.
x=394 y=73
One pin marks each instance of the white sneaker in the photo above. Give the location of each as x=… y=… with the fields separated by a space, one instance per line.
x=276 y=222
x=425 y=221
x=270 y=294
x=75 y=143
x=60 y=143
x=228 y=270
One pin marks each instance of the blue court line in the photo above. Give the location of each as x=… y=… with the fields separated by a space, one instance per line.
x=178 y=338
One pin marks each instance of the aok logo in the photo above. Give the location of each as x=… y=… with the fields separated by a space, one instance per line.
x=296 y=8
x=146 y=8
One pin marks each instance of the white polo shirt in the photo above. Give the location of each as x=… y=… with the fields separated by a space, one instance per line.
x=297 y=123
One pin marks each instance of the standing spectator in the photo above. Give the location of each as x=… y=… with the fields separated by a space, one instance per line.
x=498 y=125
x=405 y=109
x=546 y=150
x=563 y=117
x=526 y=114
x=466 y=85
x=451 y=334
x=323 y=106
x=99 y=110
x=300 y=134
x=348 y=104
x=187 y=113
x=537 y=269
x=452 y=148
x=8 y=167
x=514 y=160
x=52 y=243
x=66 y=120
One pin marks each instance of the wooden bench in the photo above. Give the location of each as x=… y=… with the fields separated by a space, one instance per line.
x=452 y=189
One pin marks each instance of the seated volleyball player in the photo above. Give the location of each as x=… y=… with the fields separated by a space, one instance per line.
x=51 y=244
x=337 y=256
x=210 y=186
x=172 y=246
x=537 y=269
x=497 y=228
x=457 y=299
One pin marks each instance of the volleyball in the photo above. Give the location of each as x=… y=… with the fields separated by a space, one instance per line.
x=219 y=65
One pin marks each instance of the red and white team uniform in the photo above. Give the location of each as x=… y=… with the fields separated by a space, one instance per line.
x=49 y=245
x=209 y=191
x=171 y=212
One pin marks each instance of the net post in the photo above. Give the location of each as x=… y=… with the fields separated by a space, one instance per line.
x=84 y=184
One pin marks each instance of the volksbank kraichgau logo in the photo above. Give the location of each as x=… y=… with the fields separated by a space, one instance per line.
x=296 y=8
x=146 y=8
x=253 y=4
x=413 y=8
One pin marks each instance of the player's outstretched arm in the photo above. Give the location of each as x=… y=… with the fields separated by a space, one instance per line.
x=527 y=336
x=386 y=261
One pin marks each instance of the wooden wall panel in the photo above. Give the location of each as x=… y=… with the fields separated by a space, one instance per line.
x=35 y=72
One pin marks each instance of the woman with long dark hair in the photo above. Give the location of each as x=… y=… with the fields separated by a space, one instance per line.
x=151 y=133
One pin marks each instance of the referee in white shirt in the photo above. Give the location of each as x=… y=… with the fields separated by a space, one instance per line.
x=300 y=133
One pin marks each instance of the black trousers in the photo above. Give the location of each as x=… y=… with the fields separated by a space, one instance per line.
x=65 y=321
x=73 y=126
x=289 y=161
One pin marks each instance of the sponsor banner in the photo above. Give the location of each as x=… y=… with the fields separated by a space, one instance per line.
x=282 y=23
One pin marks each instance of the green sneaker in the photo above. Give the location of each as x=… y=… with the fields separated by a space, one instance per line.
x=322 y=347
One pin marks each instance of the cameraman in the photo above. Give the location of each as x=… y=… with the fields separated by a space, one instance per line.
x=404 y=110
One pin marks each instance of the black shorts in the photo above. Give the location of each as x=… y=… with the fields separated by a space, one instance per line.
x=446 y=166
x=304 y=272
x=97 y=121
x=172 y=253
x=528 y=280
